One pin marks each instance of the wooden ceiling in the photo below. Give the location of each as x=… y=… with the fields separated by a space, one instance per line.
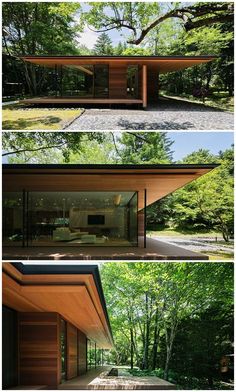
x=74 y=297
x=158 y=182
x=161 y=64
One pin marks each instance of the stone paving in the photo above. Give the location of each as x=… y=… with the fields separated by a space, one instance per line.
x=168 y=114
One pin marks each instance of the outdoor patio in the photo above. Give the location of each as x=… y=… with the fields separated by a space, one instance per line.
x=155 y=250
x=99 y=379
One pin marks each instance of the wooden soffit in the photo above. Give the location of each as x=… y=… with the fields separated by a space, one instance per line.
x=158 y=182
x=162 y=64
x=74 y=297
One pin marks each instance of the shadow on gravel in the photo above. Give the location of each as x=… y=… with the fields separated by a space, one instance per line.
x=167 y=125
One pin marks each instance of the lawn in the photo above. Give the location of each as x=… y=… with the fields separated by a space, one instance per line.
x=216 y=100
x=18 y=117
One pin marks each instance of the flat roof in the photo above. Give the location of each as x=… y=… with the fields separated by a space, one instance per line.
x=60 y=285
x=162 y=64
x=116 y=167
x=158 y=180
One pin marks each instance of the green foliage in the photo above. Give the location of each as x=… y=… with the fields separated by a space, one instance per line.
x=158 y=309
x=145 y=147
x=103 y=45
x=208 y=202
x=37 y=147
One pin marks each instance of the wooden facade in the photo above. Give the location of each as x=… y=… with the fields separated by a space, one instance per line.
x=35 y=330
x=148 y=70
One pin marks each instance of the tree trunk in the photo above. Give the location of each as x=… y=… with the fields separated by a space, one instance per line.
x=147 y=335
x=155 y=341
x=131 y=348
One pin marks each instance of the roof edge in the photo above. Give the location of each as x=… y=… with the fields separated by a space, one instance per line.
x=111 y=166
x=49 y=269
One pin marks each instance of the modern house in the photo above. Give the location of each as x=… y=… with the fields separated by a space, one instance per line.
x=107 y=79
x=86 y=205
x=55 y=325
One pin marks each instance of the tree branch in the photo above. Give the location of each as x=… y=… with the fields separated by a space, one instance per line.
x=32 y=149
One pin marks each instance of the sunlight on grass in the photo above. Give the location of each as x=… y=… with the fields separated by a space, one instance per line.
x=18 y=118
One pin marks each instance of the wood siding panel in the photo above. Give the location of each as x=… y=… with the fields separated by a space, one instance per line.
x=72 y=355
x=82 y=353
x=39 y=353
x=117 y=81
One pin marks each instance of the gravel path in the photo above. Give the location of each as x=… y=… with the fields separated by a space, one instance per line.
x=167 y=115
x=196 y=244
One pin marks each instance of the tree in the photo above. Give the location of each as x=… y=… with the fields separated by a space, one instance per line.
x=208 y=202
x=39 y=28
x=141 y=18
x=37 y=147
x=150 y=304
x=103 y=45
x=145 y=147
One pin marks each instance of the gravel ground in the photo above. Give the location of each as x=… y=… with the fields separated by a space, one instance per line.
x=167 y=115
x=196 y=245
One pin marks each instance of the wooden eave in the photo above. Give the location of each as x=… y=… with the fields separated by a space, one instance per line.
x=157 y=180
x=162 y=64
x=74 y=296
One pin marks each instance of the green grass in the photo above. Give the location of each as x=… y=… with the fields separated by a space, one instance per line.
x=18 y=117
x=219 y=100
x=184 y=233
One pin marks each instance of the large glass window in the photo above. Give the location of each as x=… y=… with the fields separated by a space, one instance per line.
x=83 y=218
x=70 y=219
x=12 y=218
x=91 y=354
x=84 y=80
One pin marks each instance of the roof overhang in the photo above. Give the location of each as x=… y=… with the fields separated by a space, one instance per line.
x=74 y=291
x=157 y=180
x=162 y=64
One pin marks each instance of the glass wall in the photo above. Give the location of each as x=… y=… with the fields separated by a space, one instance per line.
x=91 y=354
x=133 y=219
x=70 y=219
x=12 y=218
x=63 y=350
x=84 y=80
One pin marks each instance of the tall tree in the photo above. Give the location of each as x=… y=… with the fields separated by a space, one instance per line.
x=145 y=147
x=39 y=28
x=103 y=45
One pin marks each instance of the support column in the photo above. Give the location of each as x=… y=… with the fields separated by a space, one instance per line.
x=144 y=86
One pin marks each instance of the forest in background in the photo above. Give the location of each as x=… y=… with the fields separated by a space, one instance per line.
x=205 y=205
x=172 y=320
x=145 y=29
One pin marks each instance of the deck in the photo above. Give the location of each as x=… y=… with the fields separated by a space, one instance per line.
x=98 y=379
x=81 y=100
x=155 y=250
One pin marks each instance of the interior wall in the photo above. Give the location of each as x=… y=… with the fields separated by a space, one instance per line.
x=9 y=348
x=72 y=354
x=82 y=353
x=39 y=348
x=114 y=218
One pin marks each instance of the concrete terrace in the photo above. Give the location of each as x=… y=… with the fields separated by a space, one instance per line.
x=155 y=250
x=97 y=379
